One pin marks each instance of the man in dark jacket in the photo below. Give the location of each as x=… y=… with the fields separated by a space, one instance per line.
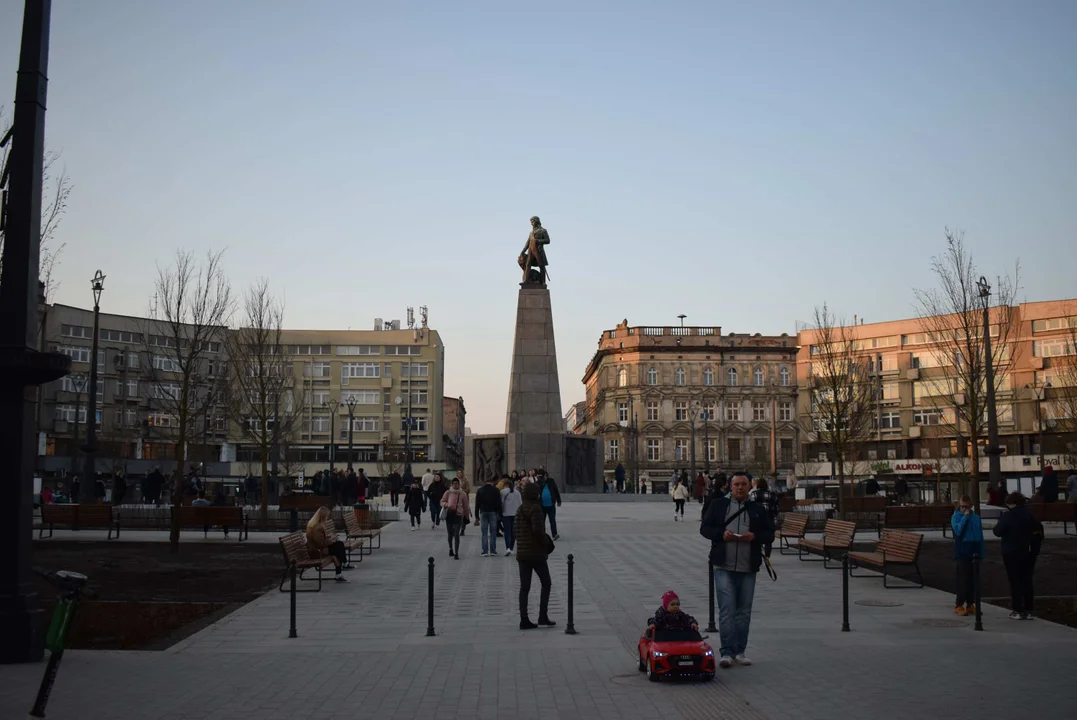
x=619 y=477
x=437 y=489
x=1022 y=536
x=738 y=529
x=1049 y=485
x=398 y=481
x=550 y=500
x=487 y=513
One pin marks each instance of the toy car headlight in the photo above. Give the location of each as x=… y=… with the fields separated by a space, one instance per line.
x=659 y=653
x=708 y=653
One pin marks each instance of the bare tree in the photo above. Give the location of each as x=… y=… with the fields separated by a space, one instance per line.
x=842 y=394
x=951 y=316
x=263 y=398
x=183 y=359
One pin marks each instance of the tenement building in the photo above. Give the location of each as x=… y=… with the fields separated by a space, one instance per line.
x=661 y=396
x=919 y=424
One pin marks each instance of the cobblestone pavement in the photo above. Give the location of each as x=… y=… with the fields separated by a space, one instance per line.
x=362 y=649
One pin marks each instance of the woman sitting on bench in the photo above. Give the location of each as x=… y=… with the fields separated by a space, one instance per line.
x=320 y=544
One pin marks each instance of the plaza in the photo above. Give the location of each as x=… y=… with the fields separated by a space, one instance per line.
x=362 y=650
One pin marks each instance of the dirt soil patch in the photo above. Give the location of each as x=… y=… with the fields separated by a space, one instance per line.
x=148 y=598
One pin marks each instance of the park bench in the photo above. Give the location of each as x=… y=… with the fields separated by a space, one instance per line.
x=794 y=525
x=895 y=547
x=867 y=512
x=350 y=544
x=207 y=516
x=78 y=517
x=920 y=516
x=304 y=501
x=837 y=536
x=1061 y=511
x=358 y=530
x=294 y=548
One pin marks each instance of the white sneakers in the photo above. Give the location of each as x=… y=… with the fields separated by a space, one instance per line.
x=486 y=554
x=741 y=660
x=675 y=517
x=725 y=662
x=508 y=553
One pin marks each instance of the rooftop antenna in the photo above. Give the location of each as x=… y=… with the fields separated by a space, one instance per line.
x=411 y=317
x=681 y=317
x=423 y=315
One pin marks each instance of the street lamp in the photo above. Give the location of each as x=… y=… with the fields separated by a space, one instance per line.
x=97 y=285
x=693 y=412
x=681 y=317
x=351 y=425
x=1038 y=394
x=332 y=405
x=707 y=441
x=78 y=381
x=993 y=450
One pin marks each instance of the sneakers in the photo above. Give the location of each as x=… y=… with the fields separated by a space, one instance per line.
x=341 y=578
x=1029 y=616
x=508 y=553
x=556 y=537
x=741 y=660
x=1015 y=616
x=486 y=554
x=413 y=528
x=725 y=662
x=972 y=608
x=546 y=622
x=456 y=556
x=960 y=610
x=349 y=566
x=526 y=624
x=675 y=518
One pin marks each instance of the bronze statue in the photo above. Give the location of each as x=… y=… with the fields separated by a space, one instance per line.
x=532 y=258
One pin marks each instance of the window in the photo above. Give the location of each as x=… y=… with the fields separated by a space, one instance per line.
x=162 y=341
x=131 y=360
x=215 y=347
x=889 y=363
x=760 y=450
x=680 y=410
x=362 y=397
x=891 y=421
x=622 y=377
x=759 y=410
x=121 y=336
x=613 y=449
x=731 y=374
x=783 y=377
x=732 y=447
x=891 y=391
x=622 y=413
x=421 y=424
x=166 y=391
x=680 y=449
x=708 y=377
x=319 y=424
x=358 y=350
x=711 y=448
x=127 y=418
x=926 y=417
x=710 y=411
x=310 y=349
x=652 y=376
x=387 y=370
x=67 y=414
x=757 y=377
x=161 y=419
x=68 y=384
x=131 y=389
x=654 y=449
x=165 y=364
x=415 y=370
x=1052 y=324
x=732 y=412
x=420 y=397
x=76 y=331
x=652 y=411
x=403 y=349
x=1053 y=348
x=358 y=370
x=76 y=353
x=679 y=377
x=786 y=450
x=929 y=388
x=362 y=424
x=785 y=411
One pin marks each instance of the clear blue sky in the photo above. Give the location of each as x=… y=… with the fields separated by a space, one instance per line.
x=738 y=162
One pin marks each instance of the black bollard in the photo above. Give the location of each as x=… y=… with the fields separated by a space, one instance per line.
x=291 y=630
x=295 y=520
x=976 y=591
x=430 y=598
x=710 y=598
x=845 y=592
x=570 y=627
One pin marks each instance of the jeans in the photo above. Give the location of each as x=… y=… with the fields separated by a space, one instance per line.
x=452 y=525
x=678 y=507
x=488 y=522
x=541 y=569
x=435 y=514
x=735 y=591
x=551 y=513
x=1019 y=571
x=964 y=593
x=509 y=524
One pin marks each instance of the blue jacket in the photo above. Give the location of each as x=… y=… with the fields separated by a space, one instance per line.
x=968 y=535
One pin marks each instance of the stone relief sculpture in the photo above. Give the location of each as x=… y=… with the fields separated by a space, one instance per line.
x=580 y=461
x=489 y=459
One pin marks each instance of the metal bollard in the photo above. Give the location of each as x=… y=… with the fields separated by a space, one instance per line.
x=291 y=630
x=710 y=597
x=295 y=520
x=570 y=627
x=430 y=598
x=845 y=592
x=976 y=592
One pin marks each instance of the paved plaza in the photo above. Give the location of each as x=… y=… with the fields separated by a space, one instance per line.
x=362 y=650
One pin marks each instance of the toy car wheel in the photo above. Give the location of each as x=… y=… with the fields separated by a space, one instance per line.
x=651 y=674
x=642 y=663
x=708 y=678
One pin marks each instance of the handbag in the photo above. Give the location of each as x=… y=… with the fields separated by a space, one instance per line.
x=547 y=543
x=444 y=513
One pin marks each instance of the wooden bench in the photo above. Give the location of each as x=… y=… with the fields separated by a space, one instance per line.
x=78 y=517
x=919 y=516
x=350 y=544
x=207 y=516
x=294 y=548
x=1060 y=511
x=794 y=525
x=357 y=529
x=304 y=501
x=837 y=536
x=895 y=547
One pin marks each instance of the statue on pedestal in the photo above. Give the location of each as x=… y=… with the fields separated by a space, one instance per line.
x=532 y=258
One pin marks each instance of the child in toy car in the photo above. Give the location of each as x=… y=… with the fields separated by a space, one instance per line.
x=670 y=616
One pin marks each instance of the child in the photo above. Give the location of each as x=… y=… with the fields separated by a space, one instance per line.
x=670 y=617
x=968 y=542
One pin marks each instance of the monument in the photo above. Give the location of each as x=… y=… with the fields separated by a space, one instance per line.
x=534 y=427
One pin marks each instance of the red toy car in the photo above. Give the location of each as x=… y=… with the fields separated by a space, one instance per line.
x=675 y=653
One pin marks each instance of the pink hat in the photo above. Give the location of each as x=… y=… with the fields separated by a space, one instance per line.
x=668 y=597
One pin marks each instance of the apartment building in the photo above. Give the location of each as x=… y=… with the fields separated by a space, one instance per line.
x=654 y=391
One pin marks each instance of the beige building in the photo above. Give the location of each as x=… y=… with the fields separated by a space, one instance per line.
x=647 y=387
x=914 y=432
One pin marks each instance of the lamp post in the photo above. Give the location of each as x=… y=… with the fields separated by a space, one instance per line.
x=993 y=450
x=78 y=380
x=351 y=426
x=706 y=442
x=1038 y=394
x=693 y=412
x=97 y=285
x=332 y=405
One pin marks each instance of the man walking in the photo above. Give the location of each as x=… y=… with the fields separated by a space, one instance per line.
x=488 y=513
x=550 y=499
x=738 y=529
x=619 y=477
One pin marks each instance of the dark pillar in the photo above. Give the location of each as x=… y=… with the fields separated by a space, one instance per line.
x=21 y=366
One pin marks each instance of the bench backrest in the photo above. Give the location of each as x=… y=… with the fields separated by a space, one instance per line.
x=1054 y=512
x=839 y=531
x=352 y=523
x=903 y=516
x=304 y=501
x=794 y=523
x=95 y=515
x=60 y=514
x=932 y=515
x=210 y=515
x=294 y=546
x=874 y=503
x=786 y=503
x=900 y=545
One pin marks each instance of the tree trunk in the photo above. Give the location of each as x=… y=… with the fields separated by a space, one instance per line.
x=263 y=511
x=841 y=486
x=974 y=475
x=177 y=492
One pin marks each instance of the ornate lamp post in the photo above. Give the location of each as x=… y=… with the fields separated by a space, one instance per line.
x=78 y=380
x=332 y=405
x=693 y=413
x=351 y=426
x=706 y=441
x=97 y=285
x=993 y=450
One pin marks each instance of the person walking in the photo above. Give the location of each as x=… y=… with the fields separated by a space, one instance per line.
x=738 y=529
x=458 y=507
x=1049 y=485
x=398 y=483
x=1071 y=486
x=433 y=501
x=320 y=543
x=550 y=498
x=968 y=543
x=119 y=489
x=619 y=477
x=1022 y=535
x=510 y=503
x=700 y=488
x=415 y=504
x=532 y=554
x=679 y=493
x=762 y=494
x=488 y=515
x=362 y=484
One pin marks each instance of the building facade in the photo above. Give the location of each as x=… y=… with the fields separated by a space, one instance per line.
x=916 y=431
x=655 y=393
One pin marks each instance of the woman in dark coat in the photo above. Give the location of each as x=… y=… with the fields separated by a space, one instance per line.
x=531 y=554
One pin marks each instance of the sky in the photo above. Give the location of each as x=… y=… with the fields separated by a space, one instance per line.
x=737 y=162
